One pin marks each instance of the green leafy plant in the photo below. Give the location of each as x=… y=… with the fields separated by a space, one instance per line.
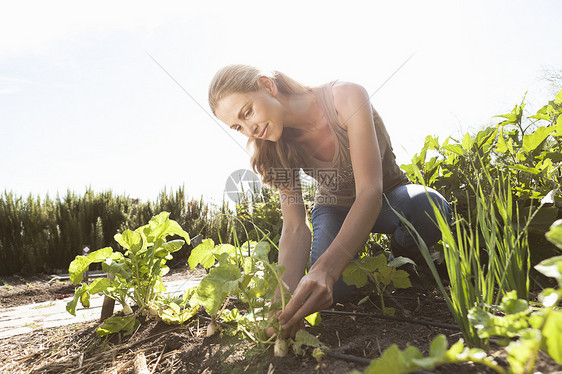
x=252 y=279
x=245 y=271
x=528 y=330
x=526 y=152
x=137 y=274
x=380 y=273
x=533 y=330
x=396 y=361
x=486 y=253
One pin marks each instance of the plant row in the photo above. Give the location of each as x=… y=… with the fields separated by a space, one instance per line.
x=524 y=150
x=43 y=235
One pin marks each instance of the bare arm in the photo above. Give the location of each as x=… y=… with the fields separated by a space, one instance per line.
x=314 y=292
x=294 y=244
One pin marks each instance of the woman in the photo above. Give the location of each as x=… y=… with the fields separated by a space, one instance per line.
x=334 y=135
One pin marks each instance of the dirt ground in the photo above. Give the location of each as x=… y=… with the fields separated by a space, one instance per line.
x=185 y=349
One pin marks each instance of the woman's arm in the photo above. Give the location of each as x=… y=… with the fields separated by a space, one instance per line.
x=294 y=244
x=314 y=291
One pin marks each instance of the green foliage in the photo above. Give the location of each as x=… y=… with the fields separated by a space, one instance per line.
x=530 y=330
x=173 y=313
x=304 y=339
x=393 y=360
x=263 y=211
x=478 y=277
x=314 y=319
x=380 y=272
x=253 y=279
x=526 y=152
x=217 y=285
x=495 y=180
x=137 y=273
x=555 y=233
x=43 y=235
x=115 y=324
x=246 y=272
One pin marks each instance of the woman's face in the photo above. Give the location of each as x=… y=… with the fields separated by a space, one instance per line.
x=256 y=114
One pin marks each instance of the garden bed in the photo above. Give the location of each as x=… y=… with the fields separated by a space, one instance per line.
x=185 y=349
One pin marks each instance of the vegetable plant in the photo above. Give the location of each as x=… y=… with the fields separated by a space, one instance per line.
x=528 y=330
x=396 y=361
x=525 y=151
x=486 y=252
x=137 y=274
x=245 y=272
x=380 y=273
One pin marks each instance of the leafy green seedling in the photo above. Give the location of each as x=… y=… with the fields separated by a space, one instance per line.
x=138 y=272
x=381 y=274
x=528 y=330
x=394 y=360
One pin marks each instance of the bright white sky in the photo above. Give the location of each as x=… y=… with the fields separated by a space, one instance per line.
x=82 y=103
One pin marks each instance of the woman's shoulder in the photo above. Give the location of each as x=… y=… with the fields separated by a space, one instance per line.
x=348 y=97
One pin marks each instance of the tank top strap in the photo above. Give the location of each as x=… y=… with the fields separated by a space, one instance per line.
x=326 y=101
x=325 y=98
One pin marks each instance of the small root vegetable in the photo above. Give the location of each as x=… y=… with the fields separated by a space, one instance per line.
x=152 y=311
x=127 y=310
x=212 y=328
x=281 y=348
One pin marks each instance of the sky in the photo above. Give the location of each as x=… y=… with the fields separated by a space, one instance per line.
x=112 y=95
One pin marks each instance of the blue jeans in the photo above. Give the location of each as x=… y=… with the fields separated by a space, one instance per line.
x=410 y=200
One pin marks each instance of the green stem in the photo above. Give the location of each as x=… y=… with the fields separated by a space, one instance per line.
x=253 y=338
x=279 y=283
x=491 y=365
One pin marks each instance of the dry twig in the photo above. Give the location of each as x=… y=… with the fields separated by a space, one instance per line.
x=139 y=364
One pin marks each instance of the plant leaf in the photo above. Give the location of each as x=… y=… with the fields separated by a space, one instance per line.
x=304 y=338
x=552 y=332
x=160 y=227
x=400 y=279
x=214 y=288
x=554 y=235
x=534 y=140
x=115 y=324
x=393 y=360
x=261 y=251
x=551 y=267
x=454 y=148
x=130 y=240
x=401 y=260
x=375 y=263
x=99 y=285
x=512 y=305
x=80 y=264
x=202 y=254
x=354 y=275
x=72 y=304
x=314 y=319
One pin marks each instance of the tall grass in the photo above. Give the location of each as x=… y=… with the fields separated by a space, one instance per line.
x=506 y=239
x=486 y=254
x=44 y=235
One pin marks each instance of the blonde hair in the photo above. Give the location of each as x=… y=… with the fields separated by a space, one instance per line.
x=267 y=157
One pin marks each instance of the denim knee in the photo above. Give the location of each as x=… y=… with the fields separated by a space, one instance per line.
x=420 y=213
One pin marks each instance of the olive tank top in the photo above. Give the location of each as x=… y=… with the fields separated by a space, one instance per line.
x=335 y=181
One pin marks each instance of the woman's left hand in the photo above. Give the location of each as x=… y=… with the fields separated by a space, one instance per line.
x=313 y=293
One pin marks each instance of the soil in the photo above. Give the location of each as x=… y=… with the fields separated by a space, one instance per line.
x=185 y=349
